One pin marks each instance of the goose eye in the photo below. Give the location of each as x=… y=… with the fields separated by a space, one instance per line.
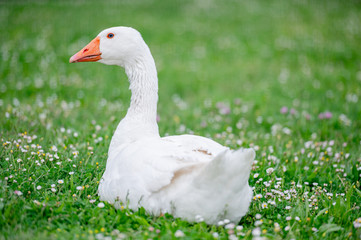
x=110 y=35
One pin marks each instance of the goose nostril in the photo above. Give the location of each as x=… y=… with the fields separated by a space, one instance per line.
x=85 y=50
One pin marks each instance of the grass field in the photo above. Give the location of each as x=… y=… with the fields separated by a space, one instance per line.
x=283 y=77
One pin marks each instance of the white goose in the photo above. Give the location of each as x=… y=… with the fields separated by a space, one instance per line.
x=188 y=176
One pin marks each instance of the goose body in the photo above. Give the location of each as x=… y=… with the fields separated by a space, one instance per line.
x=188 y=176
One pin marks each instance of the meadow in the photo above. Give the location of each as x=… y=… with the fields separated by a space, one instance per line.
x=282 y=77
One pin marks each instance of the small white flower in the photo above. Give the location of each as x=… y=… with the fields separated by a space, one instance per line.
x=38 y=187
x=19 y=160
x=215 y=235
x=288 y=207
x=258 y=196
x=17 y=192
x=61 y=181
x=258 y=223
x=287 y=228
x=226 y=221
x=79 y=188
x=229 y=226
x=239 y=228
x=53 y=189
x=220 y=223
x=258 y=216
x=314 y=229
x=269 y=170
x=101 y=205
x=264 y=205
x=256 y=175
x=256 y=232
x=357 y=223
x=297 y=218
x=179 y=233
x=288 y=218
x=92 y=200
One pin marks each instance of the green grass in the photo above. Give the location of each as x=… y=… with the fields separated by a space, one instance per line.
x=255 y=57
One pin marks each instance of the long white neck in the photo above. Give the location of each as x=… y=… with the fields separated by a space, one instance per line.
x=142 y=76
x=141 y=118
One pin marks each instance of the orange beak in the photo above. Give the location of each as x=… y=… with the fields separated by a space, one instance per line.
x=90 y=53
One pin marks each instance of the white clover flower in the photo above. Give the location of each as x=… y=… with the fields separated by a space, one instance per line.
x=179 y=233
x=17 y=192
x=258 y=223
x=239 y=228
x=256 y=232
x=220 y=223
x=269 y=170
x=229 y=226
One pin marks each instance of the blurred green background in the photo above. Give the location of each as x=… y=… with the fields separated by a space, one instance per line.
x=303 y=54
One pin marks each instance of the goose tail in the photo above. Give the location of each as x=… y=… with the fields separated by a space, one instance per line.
x=221 y=188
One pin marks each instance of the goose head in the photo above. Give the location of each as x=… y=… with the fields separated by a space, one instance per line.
x=114 y=46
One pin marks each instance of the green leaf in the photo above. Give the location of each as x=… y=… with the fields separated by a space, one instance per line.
x=330 y=227
x=321 y=212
